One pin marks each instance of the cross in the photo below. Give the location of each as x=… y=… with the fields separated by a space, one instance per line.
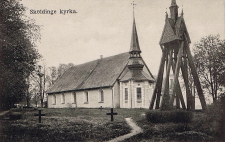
x=133 y=6
x=111 y=113
x=39 y=114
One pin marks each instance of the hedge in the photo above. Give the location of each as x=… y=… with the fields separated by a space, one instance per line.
x=176 y=116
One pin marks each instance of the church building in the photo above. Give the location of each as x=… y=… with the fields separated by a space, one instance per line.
x=119 y=81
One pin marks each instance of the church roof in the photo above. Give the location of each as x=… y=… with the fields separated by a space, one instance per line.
x=96 y=74
x=137 y=75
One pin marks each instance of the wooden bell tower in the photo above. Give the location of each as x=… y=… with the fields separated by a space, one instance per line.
x=176 y=56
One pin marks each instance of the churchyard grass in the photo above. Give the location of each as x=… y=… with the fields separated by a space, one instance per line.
x=69 y=124
x=73 y=124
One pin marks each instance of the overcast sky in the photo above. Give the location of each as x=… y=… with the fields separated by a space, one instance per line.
x=103 y=27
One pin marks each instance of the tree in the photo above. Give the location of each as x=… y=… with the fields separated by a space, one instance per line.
x=18 y=55
x=209 y=57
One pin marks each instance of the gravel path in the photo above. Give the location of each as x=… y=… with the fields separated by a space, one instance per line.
x=135 y=130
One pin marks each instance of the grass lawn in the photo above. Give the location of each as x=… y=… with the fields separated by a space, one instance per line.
x=69 y=124
x=202 y=128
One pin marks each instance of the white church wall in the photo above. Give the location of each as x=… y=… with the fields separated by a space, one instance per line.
x=132 y=101
x=125 y=103
x=94 y=100
x=57 y=100
x=116 y=98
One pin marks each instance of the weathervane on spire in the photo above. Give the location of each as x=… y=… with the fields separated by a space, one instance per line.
x=133 y=7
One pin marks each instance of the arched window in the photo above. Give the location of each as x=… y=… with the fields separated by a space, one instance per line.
x=101 y=96
x=74 y=98
x=139 y=95
x=86 y=96
x=54 y=99
x=63 y=98
x=126 y=95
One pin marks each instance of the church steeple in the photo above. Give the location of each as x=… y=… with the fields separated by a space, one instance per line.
x=135 y=57
x=134 y=45
x=135 y=51
x=174 y=10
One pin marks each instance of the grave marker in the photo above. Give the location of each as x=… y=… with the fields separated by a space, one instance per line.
x=111 y=113
x=39 y=114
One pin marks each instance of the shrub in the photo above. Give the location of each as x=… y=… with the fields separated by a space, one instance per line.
x=181 y=116
x=175 y=116
x=15 y=115
x=191 y=136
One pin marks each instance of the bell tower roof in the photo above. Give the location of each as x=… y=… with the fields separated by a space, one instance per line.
x=173 y=3
x=174 y=10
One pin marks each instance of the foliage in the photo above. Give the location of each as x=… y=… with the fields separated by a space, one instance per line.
x=17 y=53
x=37 y=84
x=175 y=116
x=212 y=121
x=209 y=55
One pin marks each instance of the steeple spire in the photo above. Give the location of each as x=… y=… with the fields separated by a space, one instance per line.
x=133 y=4
x=174 y=10
x=134 y=45
x=135 y=57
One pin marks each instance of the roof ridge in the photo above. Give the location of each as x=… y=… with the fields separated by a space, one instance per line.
x=98 y=59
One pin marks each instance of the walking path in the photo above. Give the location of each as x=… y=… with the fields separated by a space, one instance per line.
x=3 y=113
x=135 y=130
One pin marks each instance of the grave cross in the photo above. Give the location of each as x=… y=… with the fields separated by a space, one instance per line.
x=39 y=114
x=111 y=113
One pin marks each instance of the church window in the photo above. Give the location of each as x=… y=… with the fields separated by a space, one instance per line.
x=54 y=99
x=126 y=94
x=74 y=98
x=63 y=98
x=86 y=97
x=139 y=93
x=101 y=96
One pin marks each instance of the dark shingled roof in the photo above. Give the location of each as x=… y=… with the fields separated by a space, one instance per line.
x=173 y=31
x=180 y=28
x=137 y=75
x=94 y=74
x=168 y=34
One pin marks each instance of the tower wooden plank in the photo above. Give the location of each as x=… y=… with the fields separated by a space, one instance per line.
x=184 y=71
x=195 y=77
x=179 y=90
x=165 y=97
x=177 y=69
x=158 y=86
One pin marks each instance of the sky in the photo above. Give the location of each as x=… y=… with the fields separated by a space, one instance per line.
x=103 y=27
